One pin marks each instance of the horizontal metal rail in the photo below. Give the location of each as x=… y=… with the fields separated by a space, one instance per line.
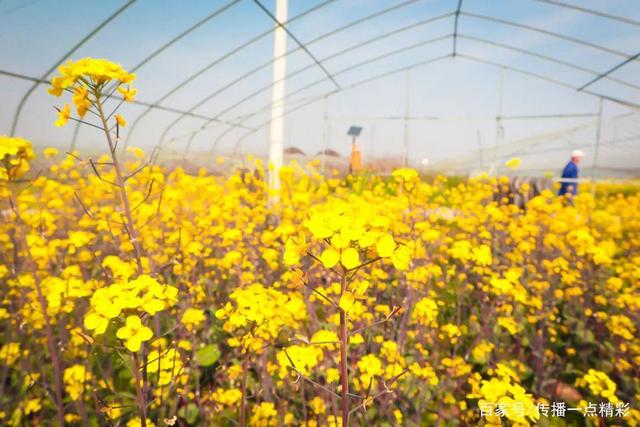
x=547 y=58
x=607 y=73
x=546 y=32
x=593 y=12
x=455 y=118
x=551 y=80
x=135 y=102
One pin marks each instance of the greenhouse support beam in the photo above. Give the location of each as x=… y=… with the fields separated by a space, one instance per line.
x=468 y=57
x=136 y=102
x=611 y=70
x=276 y=130
x=596 y=148
x=213 y=64
x=593 y=12
x=369 y=17
x=424 y=22
x=627 y=104
x=164 y=47
x=267 y=107
x=348 y=87
x=341 y=52
x=546 y=32
x=253 y=94
x=407 y=113
x=548 y=58
x=455 y=28
x=280 y=24
x=86 y=38
x=185 y=33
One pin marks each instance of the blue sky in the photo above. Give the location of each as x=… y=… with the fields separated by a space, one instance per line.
x=463 y=94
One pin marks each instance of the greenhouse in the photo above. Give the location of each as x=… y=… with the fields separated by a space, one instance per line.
x=320 y=213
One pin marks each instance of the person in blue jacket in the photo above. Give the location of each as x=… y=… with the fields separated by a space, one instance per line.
x=570 y=174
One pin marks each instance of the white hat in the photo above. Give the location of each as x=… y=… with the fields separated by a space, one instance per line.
x=577 y=153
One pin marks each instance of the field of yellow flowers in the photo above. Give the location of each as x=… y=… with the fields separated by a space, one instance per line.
x=138 y=296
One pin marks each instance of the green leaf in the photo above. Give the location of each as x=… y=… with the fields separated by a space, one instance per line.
x=208 y=355
x=191 y=413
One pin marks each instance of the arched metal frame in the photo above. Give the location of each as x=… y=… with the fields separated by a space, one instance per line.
x=459 y=55
x=303 y=69
x=271 y=61
x=396 y=51
x=505 y=46
x=238 y=122
x=164 y=47
x=597 y=13
x=212 y=64
x=546 y=33
x=345 y=88
x=51 y=69
x=298 y=42
x=316 y=82
x=458 y=12
x=522 y=147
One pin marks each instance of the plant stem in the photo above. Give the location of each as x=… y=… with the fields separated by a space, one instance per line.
x=344 y=373
x=140 y=399
x=243 y=402
x=133 y=237
x=51 y=342
x=131 y=229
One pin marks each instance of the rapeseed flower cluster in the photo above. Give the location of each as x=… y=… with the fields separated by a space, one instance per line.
x=599 y=385
x=139 y=297
x=197 y=302
x=86 y=79
x=502 y=392
x=471 y=291
x=76 y=378
x=354 y=233
x=256 y=315
x=15 y=154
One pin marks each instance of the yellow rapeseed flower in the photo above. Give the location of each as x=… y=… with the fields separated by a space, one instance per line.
x=513 y=163
x=134 y=333
x=63 y=116
x=120 y=120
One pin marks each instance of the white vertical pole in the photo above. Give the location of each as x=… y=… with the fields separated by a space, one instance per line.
x=499 y=131
x=325 y=136
x=276 y=129
x=597 y=147
x=479 y=138
x=373 y=141
x=407 y=108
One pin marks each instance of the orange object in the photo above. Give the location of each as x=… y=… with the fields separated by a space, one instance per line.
x=355 y=164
